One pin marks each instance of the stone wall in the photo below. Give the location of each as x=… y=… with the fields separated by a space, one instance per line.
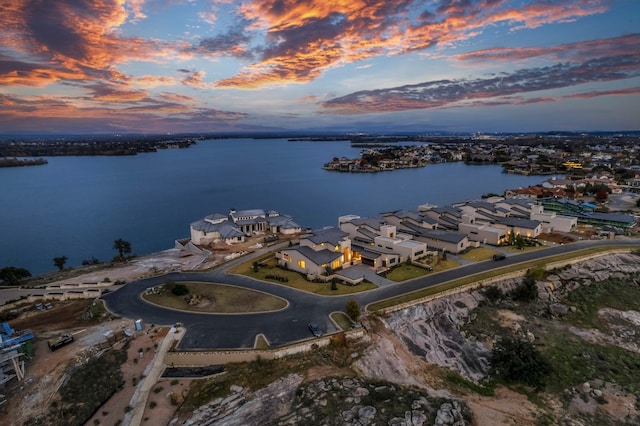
x=201 y=358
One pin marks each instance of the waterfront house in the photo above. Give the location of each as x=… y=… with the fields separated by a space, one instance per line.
x=239 y=224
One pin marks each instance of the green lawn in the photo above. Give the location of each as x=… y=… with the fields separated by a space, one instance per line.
x=268 y=267
x=477 y=254
x=342 y=320
x=406 y=272
x=522 y=250
x=218 y=298
x=541 y=263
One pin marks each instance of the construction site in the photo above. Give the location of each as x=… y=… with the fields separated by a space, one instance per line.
x=15 y=347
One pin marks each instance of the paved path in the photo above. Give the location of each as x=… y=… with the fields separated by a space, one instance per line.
x=152 y=374
x=206 y=331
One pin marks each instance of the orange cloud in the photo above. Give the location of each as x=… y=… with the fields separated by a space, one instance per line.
x=73 y=40
x=304 y=38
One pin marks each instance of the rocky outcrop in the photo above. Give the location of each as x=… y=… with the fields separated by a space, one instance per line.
x=432 y=330
x=244 y=408
x=333 y=401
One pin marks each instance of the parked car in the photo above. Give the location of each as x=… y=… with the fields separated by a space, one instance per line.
x=315 y=330
x=499 y=256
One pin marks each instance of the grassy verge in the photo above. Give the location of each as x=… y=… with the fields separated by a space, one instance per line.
x=342 y=320
x=218 y=298
x=540 y=263
x=477 y=254
x=406 y=272
x=261 y=343
x=268 y=269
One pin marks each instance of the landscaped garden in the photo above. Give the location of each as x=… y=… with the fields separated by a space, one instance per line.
x=267 y=269
x=213 y=298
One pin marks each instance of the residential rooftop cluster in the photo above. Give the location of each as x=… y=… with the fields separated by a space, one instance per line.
x=545 y=155
x=398 y=236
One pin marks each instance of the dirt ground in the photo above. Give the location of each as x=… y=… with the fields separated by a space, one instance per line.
x=45 y=372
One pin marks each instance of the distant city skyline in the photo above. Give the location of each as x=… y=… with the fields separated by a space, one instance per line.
x=186 y=66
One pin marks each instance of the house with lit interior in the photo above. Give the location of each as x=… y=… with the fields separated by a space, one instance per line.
x=325 y=249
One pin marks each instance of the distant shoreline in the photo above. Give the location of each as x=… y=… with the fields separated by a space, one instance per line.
x=14 y=162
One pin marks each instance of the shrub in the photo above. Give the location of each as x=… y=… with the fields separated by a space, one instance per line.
x=493 y=293
x=180 y=290
x=152 y=404
x=526 y=291
x=517 y=361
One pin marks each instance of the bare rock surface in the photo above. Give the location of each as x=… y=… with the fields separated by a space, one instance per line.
x=331 y=401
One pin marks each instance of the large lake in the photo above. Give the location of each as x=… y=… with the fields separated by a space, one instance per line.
x=78 y=206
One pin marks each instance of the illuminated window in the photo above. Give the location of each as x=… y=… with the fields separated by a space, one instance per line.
x=335 y=264
x=302 y=264
x=337 y=248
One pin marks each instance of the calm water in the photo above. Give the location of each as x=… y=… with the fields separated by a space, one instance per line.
x=78 y=206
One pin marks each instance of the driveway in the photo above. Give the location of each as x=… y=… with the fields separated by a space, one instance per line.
x=224 y=331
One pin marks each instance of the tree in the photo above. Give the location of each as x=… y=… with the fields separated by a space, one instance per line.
x=12 y=275
x=353 y=309
x=123 y=247
x=517 y=361
x=60 y=262
x=180 y=290
x=334 y=284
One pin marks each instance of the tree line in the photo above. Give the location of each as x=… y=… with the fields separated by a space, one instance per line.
x=13 y=275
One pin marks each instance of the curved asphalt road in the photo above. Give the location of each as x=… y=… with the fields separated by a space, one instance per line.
x=224 y=331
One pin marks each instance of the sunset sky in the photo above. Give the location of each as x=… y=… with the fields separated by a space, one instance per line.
x=156 y=66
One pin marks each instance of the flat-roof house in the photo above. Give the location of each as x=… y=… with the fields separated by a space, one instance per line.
x=406 y=248
x=399 y=217
x=377 y=257
x=438 y=239
x=484 y=233
x=519 y=226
